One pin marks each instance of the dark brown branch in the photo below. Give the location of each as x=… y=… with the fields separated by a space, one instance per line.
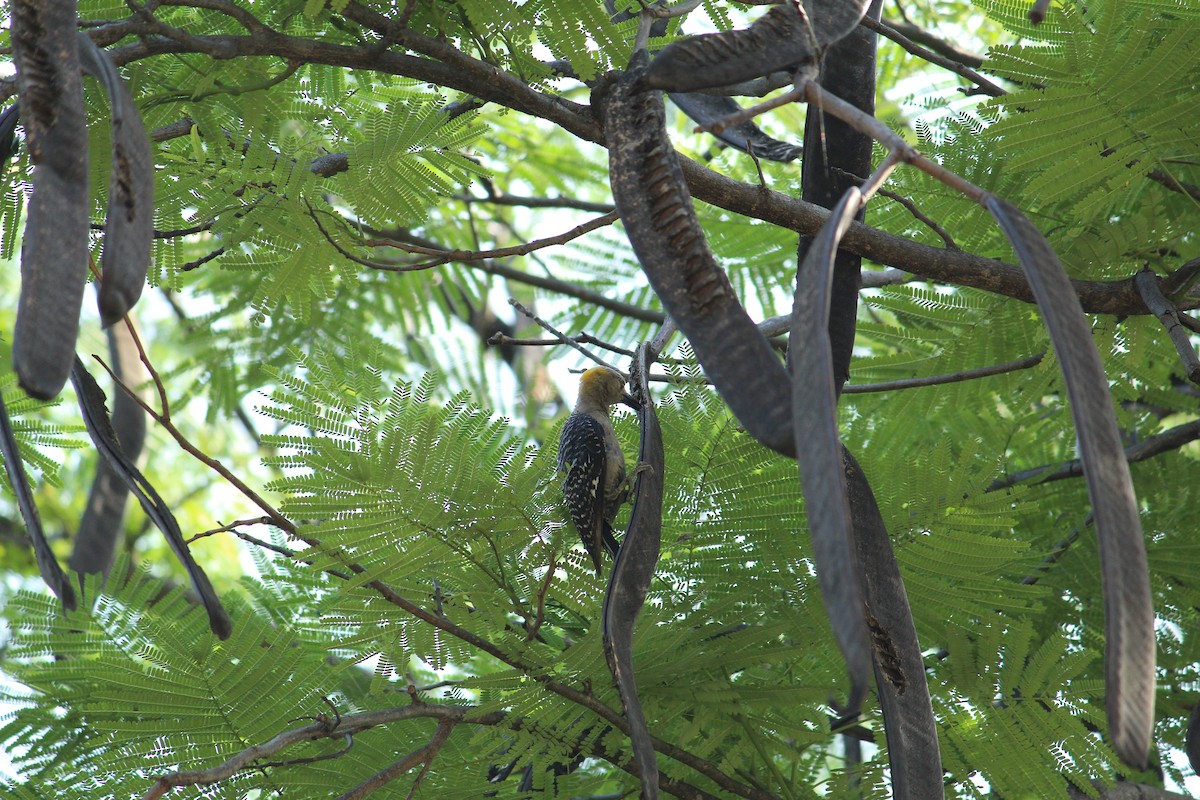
x=1168 y=440
x=984 y=85
x=1168 y=180
x=477 y=78
x=953 y=377
x=1168 y=315
x=936 y=43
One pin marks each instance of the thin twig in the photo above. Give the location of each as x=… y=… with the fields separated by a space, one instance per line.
x=536 y=202
x=936 y=43
x=908 y=204
x=542 y=282
x=877 y=178
x=582 y=338
x=202 y=260
x=942 y=233
x=984 y=85
x=1168 y=440
x=531 y=630
x=464 y=256
x=231 y=526
x=292 y=762
x=553 y=331
x=163 y=418
x=1147 y=286
x=750 y=112
x=953 y=377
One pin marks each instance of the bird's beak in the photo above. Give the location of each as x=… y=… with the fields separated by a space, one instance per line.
x=628 y=400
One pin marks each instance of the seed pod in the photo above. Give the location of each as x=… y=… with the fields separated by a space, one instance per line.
x=129 y=223
x=781 y=39
x=705 y=109
x=656 y=210
x=54 y=252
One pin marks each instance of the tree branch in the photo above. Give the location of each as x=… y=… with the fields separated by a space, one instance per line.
x=956 y=66
x=323 y=728
x=487 y=82
x=1147 y=286
x=1170 y=439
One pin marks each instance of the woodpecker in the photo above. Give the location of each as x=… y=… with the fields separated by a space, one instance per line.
x=591 y=457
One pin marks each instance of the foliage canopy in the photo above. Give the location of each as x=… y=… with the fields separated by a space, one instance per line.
x=341 y=194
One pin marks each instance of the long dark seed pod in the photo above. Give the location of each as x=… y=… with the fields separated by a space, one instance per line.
x=705 y=109
x=48 y=565
x=129 y=223
x=1129 y=648
x=781 y=39
x=96 y=418
x=656 y=210
x=54 y=252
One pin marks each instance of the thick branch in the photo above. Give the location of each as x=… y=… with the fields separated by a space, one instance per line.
x=486 y=82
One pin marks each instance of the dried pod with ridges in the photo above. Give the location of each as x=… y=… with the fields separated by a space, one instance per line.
x=656 y=210
x=705 y=109
x=129 y=223
x=777 y=40
x=54 y=252
x=781 y=39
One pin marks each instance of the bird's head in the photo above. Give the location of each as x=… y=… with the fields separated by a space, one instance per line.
x=606 y=386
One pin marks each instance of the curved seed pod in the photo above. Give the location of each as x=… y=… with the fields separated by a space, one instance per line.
x=777 y=40
x=96 y=419
x=747 y=137
x=633 y=571
x=48 y=565
x=54 y=252
x=913 y=752
x=8 y=130
x=782 y=38
x=103 y=517
x=656 y=210
x=1129 y=646
x=819 y=450
x=129 y=223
